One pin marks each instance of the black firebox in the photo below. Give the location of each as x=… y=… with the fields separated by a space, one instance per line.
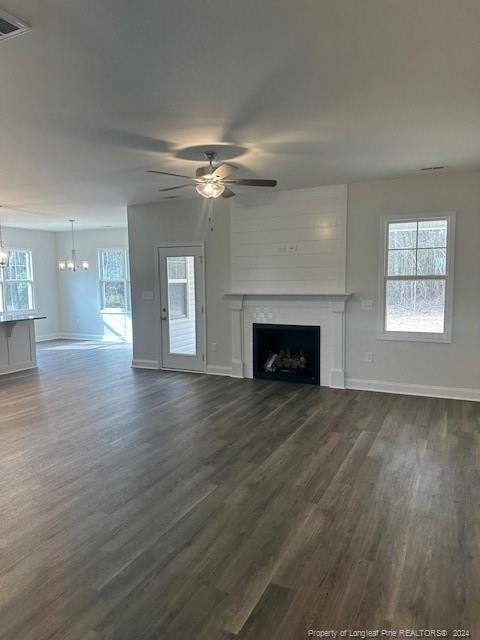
x=286 y=352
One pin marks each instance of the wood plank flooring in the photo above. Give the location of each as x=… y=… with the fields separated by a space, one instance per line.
x=138 y=505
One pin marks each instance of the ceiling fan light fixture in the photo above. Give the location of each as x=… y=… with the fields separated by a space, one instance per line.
x=210 y=188
x=213 y=181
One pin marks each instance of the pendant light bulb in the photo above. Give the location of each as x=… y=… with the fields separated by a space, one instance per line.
x=4 y=252
x=210 y=188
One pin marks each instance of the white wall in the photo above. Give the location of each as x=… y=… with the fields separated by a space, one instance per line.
x=79 y=298
x=180 y=221
x=399 y=365
x=289 y=241
x=42 y=245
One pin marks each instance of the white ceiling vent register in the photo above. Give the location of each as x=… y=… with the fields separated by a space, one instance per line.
x=11 y=26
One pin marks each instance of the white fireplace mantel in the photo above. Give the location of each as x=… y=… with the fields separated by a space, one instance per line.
x=326 y=310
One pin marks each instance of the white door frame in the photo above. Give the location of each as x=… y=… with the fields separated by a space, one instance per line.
x=158 y=304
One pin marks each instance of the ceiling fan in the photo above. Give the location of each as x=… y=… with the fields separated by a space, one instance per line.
x=214 y=181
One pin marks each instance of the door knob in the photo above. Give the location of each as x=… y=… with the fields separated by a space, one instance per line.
x=164 y=314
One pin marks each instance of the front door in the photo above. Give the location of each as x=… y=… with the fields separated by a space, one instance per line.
x=181 y=306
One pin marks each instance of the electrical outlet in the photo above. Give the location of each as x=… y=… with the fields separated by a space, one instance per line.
x=214 y=346
x=368 y=357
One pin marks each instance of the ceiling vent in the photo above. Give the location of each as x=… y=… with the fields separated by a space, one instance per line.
x=11 y=26
x=437 y=168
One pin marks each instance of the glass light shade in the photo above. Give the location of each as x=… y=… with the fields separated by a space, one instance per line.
x=62 y=265
x=70 y=265
x=4 y=256
x=210 y=189
x=85 y=265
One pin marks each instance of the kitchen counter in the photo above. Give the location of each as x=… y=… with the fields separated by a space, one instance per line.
x=18 y=317
x=18 y=350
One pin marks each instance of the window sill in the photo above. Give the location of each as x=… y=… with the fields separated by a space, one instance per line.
x=114 y=312
x=416 y=337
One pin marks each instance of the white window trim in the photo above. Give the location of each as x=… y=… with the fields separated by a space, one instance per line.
x=412 y=336
x=101 y=281
x=30 y=281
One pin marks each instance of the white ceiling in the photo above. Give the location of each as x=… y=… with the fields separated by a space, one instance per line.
x=313 y=91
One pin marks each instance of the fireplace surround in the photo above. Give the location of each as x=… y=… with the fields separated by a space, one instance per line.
x=324 y=310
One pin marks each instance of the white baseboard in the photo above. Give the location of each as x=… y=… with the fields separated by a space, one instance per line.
x=47 y=336
x=453 y=393
x=212 y=369
x=81 y=336
x=145 y=364
x=91 y=336
x=217 y=370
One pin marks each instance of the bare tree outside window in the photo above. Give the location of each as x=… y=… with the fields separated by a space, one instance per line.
x=16 y=282
x=416 y=276
x=114 y=279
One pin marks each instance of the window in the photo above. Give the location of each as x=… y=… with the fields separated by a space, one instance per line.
x=114 y=280
x=177 y=287
x=16 y=282
x=417 y=278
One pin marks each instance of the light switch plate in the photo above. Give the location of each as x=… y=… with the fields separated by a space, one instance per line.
x=367 y=304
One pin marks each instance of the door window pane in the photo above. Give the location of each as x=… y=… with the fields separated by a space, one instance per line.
x=415 y=305
x=177 y=268
x=177 y=292
x=181 y=305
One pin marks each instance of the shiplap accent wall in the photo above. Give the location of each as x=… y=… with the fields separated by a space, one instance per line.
x=290 y=241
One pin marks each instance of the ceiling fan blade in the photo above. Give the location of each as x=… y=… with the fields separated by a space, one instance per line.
x=180 y=186
x=202 y=171
x=251 y=182
x=224 y=170
x=227 y=193
x=165 y=173
x=221 y=171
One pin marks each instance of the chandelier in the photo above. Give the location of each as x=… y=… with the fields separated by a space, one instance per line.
x=71 y=264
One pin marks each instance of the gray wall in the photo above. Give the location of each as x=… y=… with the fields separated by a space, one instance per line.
x=42 y=246
x=180 y=221
x=454 y=365
x=79 y=296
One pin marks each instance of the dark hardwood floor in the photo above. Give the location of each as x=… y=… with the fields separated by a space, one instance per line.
x=140 y=505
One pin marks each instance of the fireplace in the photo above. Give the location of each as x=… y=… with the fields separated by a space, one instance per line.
x=286 y=352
